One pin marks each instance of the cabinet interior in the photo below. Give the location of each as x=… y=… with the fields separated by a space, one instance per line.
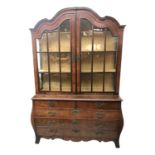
x=98 y=56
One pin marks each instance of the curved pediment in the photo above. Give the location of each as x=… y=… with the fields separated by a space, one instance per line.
x=68 y=13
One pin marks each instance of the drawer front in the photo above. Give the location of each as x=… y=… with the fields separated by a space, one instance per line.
x=54 y=104
x=108 y=115
x=77 y=132
x=77 y=114
x=99 y=105
x=52 y=113
x=77 y=124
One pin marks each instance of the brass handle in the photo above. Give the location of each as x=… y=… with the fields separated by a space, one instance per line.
x=51 y=103
x=53 y=130
x=75 y=122
x=51 y=122
x=75 y=110
x=99 y=132
x=99 y=125
x=53 y=113
x=75 y=130
x=100 y=104
x=100 y=114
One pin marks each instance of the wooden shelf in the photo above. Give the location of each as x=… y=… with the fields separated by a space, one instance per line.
x=98 y=71
x=55 y=71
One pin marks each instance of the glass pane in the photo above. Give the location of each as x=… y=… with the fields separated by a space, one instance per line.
x=38 y=45
x=109 y=82
x=53 y=41
x=85 y=83
x=54 y=62
x=99 y=39
x=86 y=35
x=66 y=82
x=110 y=62
x=65 y=26
x=98 y=62
x=98 y=82
x=42 y=62
x=55 y=81
x=43 y=81
x=86 y=43
x=65 y=62
x=111 y=42
x=85 y=62
x=43 y=43
x=65 y=36
x=64 y=41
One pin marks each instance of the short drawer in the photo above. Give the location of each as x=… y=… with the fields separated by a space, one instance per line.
x=51 y=113
x=108 y=115
x=54 y=104
x=99 y=105
x=47 y=131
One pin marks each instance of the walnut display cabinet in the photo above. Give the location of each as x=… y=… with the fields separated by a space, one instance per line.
x=77 y=60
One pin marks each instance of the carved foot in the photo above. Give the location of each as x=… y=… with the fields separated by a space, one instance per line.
x=117 y=143
x=37 y=139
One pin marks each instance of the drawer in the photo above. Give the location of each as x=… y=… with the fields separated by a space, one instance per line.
x=47 y=131
x=99 y=105
x=76 y=133
x=91 y=125
x=108 y=115
x=77 y=113
x=54 y=104
x=52 y=113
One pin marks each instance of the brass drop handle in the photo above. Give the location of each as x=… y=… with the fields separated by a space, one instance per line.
x=51 y=122
x=75 y=130
x=53 y=130
x=100 y=104
x=100 y=114
x=99 y=125
x=51 y=103
x=52 y=113
x=75 y=122
x=75 y=110
x=99 y=132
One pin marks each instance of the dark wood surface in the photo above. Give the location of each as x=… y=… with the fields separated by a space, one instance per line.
x=77 y=97
x=77 y=116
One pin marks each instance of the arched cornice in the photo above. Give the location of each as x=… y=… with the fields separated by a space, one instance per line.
x=68 y=13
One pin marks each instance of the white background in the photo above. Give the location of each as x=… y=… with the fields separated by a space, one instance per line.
x=17 y=81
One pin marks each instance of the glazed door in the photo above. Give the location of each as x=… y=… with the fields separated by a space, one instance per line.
x=55 y=58
x=97 y=58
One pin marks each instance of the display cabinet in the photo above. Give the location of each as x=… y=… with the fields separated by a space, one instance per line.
x=77 y=61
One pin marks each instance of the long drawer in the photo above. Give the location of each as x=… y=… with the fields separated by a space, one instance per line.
x=77 y=114
x=74 y=132
x=115 y=105
x=54 y=104
x=77 y=123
